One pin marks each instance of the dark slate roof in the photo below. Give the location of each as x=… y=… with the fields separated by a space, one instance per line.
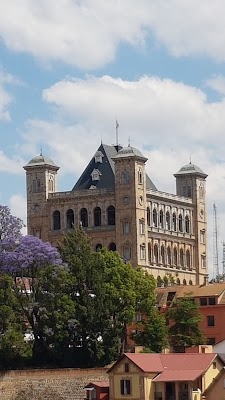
x=191 y=169
x=39 y=161
x=106 y=169
x=130 y=152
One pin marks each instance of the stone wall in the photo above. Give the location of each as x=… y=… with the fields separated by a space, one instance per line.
x=58 y=384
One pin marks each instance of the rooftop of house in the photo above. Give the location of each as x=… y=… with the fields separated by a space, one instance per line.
x=173 y=366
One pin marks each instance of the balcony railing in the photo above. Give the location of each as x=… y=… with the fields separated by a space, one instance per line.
x=183 y=395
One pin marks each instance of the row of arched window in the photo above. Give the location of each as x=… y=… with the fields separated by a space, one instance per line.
x=162 y=282
x=166 y=221
x=166 y=256
x=84 y=217
x=111 y=246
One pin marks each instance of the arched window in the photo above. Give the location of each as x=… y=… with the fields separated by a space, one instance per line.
x=84 y=217
x=189 y=191
x=175 y=256
x=140 y=177
x=111 y=215
x=97 y=216
x=149 y=253
x=187 y=224
x=142 y=251
x=98 y=247
x=36 y=185
x=161 y=218
x=188 y=259
x=168 y=220
x=190 y=282
x=180 y=223
x=181 y=257
x=56 y=220
x=163 y=255
x=148 y=217
x=169 y=256
x=112 y=246
x=70 y=219
x=184 y=282
x=156 y=254
x=126 y=226
x=174 y=222
x=127 y=252
x=178 y=281
x=159 y=281
x=154 y=218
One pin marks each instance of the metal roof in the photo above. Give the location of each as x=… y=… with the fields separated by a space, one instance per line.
x=41 y=160
x=191 y=169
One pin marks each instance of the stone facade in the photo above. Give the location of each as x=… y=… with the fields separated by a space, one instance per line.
x=120 y=208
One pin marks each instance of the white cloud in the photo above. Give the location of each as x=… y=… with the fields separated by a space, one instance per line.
x=11 y=165
x=166 y=120
x=217 y=83
x=87 y=33
x=18 y=206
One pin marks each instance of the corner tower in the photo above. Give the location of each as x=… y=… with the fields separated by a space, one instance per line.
x=191 y=182
x=41 y=179
x=130 y=199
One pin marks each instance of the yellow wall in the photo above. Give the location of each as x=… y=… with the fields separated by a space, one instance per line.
x=217 y=391
x=211 y=373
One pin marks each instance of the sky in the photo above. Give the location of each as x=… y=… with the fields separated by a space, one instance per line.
x=70 y=68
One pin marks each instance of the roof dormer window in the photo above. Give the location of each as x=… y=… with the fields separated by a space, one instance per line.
x=98 y=156
x=95 y=175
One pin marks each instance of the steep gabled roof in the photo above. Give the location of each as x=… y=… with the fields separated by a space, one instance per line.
x=106 y=170
x=173 y=366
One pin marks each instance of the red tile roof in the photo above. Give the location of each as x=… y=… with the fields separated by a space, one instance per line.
x=173 y=366
x=98 y=384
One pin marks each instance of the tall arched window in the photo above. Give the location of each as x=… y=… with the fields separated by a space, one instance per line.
x=97 y=216
x=98 y=247
x=163 y=255
x=112 y=246
x=140 y=176
x=188 y=259
x=154 y=218
x=168 y=256
x=184 y=282
x=187 y=224
x=149 y=253
x=156 y=254
x=175 y=256
x=190 y=282
x=182 y=258
x=84 y=217
x=174 y=222
x=111 y=215
x=161 y=219
x=178 y=281
x=56 y=220
x=148 y=216
x=180 y=223
x=168 y=220
x=70 y=219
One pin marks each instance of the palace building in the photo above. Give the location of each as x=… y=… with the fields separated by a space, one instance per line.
x=120 y=208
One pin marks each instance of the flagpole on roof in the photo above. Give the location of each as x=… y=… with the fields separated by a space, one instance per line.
x=117 y=126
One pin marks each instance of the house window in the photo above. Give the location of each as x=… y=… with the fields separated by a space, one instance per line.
x=156 y=254
x=202 y=236
x=112 y=246
x=126 y=227
x=203 y=301
x=154 y=217
x=125 y=177
x=168 y=220
x=142 y=226
x=95 y=175
x=149 y=253
x=189 y=191
x=125 y=386
x=98 y=156
x=187 y=224
x=203 y=261
x=161 y=218
x=148 y=216
x=36 y=185
x=174 y=222
x=210 y=320
x=70 y=219
x=111 y=215
x=140 y=177
x=97 y=216
x=212 y=301
x=181 y=257
x=214 y=365
x=84 y=217
x=142 y=251
x=175 y=256
x=180 y=223
x=168 y=256
x=98 y=247
x=126 y=253
x=126 y=367
x=211 y=341
x=163 y=259
x=56 y=220
x=188 y=259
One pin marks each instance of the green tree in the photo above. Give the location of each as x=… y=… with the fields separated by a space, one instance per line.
x=13 y=349
x=153 y=332
x=185 y=317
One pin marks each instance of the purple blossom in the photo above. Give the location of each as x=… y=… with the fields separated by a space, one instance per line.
x=10 y=226
x=27 y=252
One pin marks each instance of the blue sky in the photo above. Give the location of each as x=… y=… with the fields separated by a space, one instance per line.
x=69 y=69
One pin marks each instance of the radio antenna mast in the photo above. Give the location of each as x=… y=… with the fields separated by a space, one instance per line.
x=215 y=244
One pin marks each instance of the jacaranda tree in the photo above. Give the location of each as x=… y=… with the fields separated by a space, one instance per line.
x=10 y=226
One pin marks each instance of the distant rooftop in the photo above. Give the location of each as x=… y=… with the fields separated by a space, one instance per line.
x=191 y=169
